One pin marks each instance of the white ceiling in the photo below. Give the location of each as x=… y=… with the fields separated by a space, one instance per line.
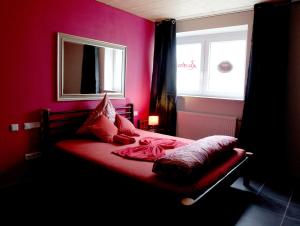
x=180 y=9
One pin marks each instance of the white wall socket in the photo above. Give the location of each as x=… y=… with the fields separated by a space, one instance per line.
x=31 y=125
x=14 y=127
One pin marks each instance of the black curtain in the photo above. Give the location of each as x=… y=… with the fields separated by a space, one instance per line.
x=163 y=89
x=263 y=128
x=90 y=70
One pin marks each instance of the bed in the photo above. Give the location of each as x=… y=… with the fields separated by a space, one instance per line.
x=58 y=133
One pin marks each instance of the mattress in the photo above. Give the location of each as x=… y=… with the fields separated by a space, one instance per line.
x=101 y=153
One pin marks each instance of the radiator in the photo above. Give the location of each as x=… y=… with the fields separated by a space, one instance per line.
x=196 y=125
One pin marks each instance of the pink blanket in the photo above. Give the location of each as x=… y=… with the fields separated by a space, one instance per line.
x=150 y=148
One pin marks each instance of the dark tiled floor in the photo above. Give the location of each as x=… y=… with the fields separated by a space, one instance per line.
x=275 y=204
x=290 y=222
x=262 y=203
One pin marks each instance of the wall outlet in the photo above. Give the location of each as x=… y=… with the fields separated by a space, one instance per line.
x=31 y=125
x=33 y=155
x=14 y=127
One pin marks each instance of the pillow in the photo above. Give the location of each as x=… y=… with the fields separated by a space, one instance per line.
x=187 y=161
x=104 y=107
x=103 y=129
x=109 y=111
x=125 y=126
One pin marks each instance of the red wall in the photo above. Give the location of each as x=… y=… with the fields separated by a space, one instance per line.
x=28 y=62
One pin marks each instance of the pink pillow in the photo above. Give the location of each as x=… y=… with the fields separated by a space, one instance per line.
x=104 y=129
x=125 y=126
x=104 y=107
x=187 y=161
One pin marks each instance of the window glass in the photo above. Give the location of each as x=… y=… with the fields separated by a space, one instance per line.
x=226 y=68
x=189 y=68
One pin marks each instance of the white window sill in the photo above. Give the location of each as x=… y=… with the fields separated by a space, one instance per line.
x=211 y=97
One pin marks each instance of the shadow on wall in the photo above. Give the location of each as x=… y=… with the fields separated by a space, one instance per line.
x=29 y=131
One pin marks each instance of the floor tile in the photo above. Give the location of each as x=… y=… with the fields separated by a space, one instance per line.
x=277 y=191
x=268 y=198
x=275 y=205
x=293 y=210
x=290 y=222
x=254 y=186
x=258 y=216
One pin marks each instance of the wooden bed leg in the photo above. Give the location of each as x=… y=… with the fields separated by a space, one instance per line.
x=187 y=201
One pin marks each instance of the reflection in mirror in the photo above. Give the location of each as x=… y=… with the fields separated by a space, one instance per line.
x=88 y=68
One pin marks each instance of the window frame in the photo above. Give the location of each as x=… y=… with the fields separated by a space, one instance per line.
x=205 y=39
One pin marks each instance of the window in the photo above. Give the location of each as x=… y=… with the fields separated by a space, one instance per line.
x=112 y=70
x=212 y=63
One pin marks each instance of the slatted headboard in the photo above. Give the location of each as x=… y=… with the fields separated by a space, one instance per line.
x=58 y=125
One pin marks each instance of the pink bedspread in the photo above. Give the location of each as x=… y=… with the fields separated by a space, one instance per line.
x=149 y=148
x=101 y=154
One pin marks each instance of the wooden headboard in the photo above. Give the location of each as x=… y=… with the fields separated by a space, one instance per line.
x=58 y=125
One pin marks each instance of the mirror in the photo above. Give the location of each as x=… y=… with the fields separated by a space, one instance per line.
x=87 y=68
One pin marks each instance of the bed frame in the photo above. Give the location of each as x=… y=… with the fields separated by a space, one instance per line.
x=60 y=125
